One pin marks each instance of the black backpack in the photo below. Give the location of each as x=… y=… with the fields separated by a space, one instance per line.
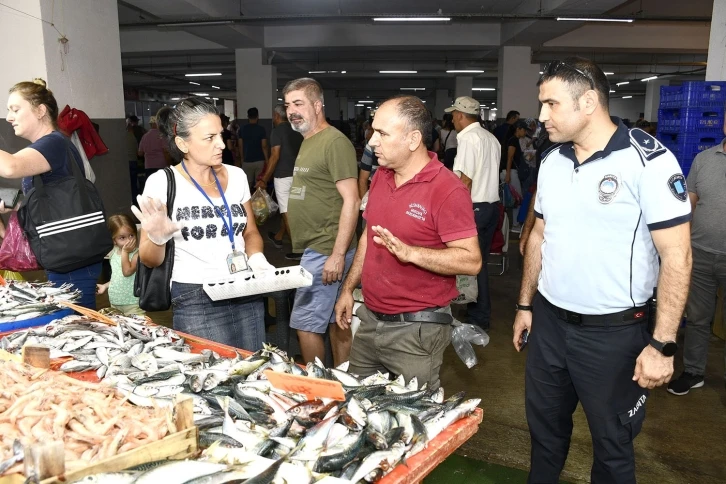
x=65 y=222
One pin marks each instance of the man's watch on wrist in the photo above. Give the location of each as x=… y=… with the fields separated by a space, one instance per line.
x=523 y=307
x=667 y=348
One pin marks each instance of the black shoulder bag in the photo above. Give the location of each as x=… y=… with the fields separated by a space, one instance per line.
x=65 y=222
x=153 y=285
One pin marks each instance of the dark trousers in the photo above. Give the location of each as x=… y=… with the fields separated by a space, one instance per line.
x=134 y=176
x=486 y=216
x=594 y=365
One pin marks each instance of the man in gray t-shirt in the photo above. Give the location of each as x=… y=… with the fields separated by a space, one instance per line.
x=707 y=191
x=285 y=145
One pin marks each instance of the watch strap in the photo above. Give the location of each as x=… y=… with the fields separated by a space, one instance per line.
x=523 y=307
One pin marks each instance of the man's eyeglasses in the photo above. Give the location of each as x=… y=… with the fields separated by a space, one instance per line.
x=556 y=66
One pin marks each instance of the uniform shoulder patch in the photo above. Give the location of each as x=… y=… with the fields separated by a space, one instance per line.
x=648 y=146
x=677 y=185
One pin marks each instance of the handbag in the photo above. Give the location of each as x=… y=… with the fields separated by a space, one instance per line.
x=152 y=285
x=15 y=253
x=65 y=222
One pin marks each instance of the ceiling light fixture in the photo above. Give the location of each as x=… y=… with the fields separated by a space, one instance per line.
x=194 y=83
x=493 y=109
x=398 y=72
x=202 y=23
x=627 y=97
x=215 y=98
x=360 y=105
x=483 y=89
x=205 y=74
x=175 y=98
x=279 y=99
x=465 y=71
x=540 y=73
x=608 y=73
x=413 y=89
x=200 y=94
x=216 y=87
x=411 y=19
x=649 y=78
x=365 y=102
x=622 y=83
x=611 y=90
x=343 y=72
x=595 y=19
x=316 y=72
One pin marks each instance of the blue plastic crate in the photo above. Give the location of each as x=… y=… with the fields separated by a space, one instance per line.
x=671 y=96
x=669 y=120
x=710 y=94
x=693 y=144
x=702 y=120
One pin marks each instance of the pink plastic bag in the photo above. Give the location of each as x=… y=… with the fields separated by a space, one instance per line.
x=15 y=252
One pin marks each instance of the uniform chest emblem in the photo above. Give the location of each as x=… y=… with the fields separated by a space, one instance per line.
x=677 y=184
x=607 y=189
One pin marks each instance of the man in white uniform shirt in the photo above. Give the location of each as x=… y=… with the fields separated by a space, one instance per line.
x=477 y=164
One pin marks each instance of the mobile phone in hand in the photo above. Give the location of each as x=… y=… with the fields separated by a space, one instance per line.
x=524 y=339
x=10 y=196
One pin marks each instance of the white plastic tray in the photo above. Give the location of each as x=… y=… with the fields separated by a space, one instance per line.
x=246 y=284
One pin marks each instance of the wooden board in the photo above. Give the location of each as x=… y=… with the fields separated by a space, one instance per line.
x=421 y=464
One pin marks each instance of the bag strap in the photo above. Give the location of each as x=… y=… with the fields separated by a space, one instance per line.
x=170 y=190
x=80 y=181
x=447 y=138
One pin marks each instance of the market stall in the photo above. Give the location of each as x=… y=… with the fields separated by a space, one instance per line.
x=449 y=423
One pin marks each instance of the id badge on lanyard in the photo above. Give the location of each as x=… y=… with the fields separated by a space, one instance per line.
x=236 y=260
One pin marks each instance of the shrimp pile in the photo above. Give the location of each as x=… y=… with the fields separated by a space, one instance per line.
x=93 y=420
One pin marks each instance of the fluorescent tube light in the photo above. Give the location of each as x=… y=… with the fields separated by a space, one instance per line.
x=200 y=93
x=649 y=78
x=216 y=87
x=594 y=19
x=611 y=90
x=365 y=102
x=540 y=73
x=493 y=109
x=175 y=98
x=194 y=83
x=316 y=72
x=343 y=72
x=215 y=98
x=411 y=19
x=483 y=89
x=465 y=71
x=622 y=83
x=398 y=72
x=201 y=23
x=627 y=97
x=413 y=89
x=608 y=73
x=205 y=74
x=360 y=105
x=279 y=99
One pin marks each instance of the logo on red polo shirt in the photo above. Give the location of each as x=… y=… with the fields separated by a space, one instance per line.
x=417 y=211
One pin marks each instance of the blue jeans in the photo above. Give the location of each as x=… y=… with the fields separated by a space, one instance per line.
x=84 y=279
x=238 y=322
x=486 y=217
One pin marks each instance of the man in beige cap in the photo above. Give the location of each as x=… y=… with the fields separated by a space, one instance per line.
x=477 y=164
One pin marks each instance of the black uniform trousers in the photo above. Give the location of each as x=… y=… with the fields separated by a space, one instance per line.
x=594 y=365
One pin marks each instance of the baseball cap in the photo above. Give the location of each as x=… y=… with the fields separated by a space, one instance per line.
x=464 y=104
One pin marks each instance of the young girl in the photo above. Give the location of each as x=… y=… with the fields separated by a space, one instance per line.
x=124 y=259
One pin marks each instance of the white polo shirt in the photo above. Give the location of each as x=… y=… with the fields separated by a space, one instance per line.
x=477 y=157
x=598 y=256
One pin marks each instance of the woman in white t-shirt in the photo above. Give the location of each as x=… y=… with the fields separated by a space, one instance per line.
x=212 y=201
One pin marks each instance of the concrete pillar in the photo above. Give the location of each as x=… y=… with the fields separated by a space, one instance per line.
x=652 y=99
x=716 y=68
x=84 y=73
x=256 y=85
x=463 y=86
x=229 y=108
x=343 y=105
x=332 y=104
x=517 y=83
x=441 y=102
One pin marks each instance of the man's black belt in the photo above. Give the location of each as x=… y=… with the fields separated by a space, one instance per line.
x=428 y=315
x=622 y=318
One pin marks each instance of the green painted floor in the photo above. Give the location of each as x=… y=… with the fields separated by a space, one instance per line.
x=463 y=470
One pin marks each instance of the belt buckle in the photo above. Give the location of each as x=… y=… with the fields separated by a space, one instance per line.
x=574 y=318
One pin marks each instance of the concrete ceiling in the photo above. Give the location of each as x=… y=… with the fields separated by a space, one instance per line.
x=668 y=37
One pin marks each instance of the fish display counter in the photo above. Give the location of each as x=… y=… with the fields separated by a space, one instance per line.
x=259 y=416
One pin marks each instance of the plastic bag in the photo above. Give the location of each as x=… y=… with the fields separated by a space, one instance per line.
x=263 y=206
x=463 y=336
x=15 y=252
x=509 y=196
x=468 y=290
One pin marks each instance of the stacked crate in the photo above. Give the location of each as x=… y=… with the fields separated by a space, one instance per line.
x=691 y=118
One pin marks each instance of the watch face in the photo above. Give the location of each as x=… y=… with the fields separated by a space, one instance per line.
x=669 y=349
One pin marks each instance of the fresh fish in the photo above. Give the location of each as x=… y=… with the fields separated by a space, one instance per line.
x=178 y=472
x=144 y=362
x=340 y=456
x=173 y=355
x=18 y=456
x=75 y=366
x=109 y=478
x=382 y=459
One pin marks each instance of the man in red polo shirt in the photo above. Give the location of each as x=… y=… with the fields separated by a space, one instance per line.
x=420 y=233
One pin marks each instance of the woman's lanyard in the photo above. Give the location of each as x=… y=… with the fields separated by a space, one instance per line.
x=229 y=226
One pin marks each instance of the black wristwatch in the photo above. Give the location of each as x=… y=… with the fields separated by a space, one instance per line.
x=522 y=307
x=668 y=348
